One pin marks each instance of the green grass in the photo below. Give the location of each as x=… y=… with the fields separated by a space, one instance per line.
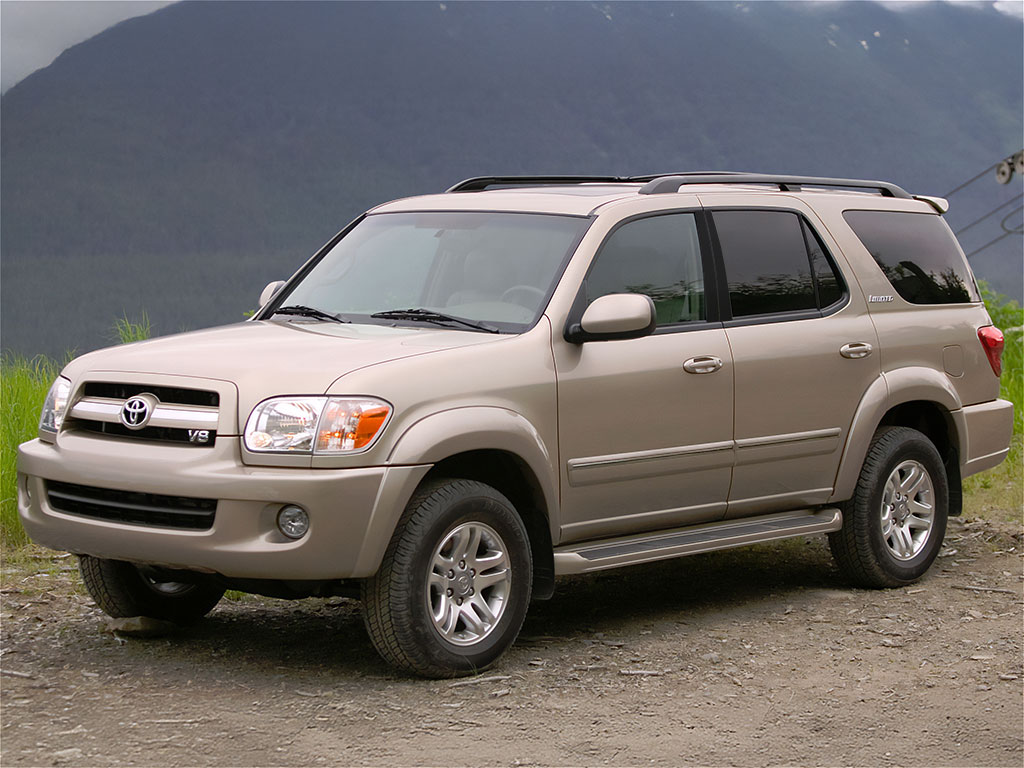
x=999 y=492
x=23 y=387
x=128 y=331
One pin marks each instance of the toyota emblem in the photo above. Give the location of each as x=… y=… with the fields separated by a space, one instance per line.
x=136 y=411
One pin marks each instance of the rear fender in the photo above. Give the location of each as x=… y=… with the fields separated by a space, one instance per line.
x=893 y=388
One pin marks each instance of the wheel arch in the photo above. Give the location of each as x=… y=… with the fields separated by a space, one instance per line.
x=492 y=445
x=512 y=476
x=919 y=398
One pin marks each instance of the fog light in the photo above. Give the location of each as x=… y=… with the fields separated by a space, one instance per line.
x=293 y=521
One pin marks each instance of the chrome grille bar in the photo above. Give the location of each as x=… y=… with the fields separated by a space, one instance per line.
x=164 y=414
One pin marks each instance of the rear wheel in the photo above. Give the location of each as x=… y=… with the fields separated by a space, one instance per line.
x=454 y=586
x=121 y=590
x=894 y=525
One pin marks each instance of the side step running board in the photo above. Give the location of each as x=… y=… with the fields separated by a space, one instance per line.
x=645 y=548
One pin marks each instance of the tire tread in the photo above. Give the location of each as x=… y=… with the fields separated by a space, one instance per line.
x=387 y=588
x=119 y=591
x=851 y=546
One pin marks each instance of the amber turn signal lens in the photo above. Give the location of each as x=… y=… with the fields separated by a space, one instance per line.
x=368 y=425
x=350 y=424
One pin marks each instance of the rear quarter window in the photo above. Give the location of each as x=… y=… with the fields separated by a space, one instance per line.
x=918 y=254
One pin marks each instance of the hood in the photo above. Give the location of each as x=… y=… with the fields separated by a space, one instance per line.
x=271 y=357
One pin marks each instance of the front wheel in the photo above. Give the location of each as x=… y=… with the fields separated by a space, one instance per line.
x=894 y=525
x=454 y=586
x=122 y=590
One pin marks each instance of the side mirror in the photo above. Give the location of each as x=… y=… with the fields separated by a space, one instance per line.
x=614 y=317
x=269 y=291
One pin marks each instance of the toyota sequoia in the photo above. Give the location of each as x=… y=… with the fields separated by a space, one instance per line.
x=463 y=396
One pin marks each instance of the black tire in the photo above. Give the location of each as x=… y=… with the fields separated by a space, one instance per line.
x=863 y=552
x=400 y=599
x=121 y=590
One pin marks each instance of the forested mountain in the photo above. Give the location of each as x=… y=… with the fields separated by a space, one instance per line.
x=179 y=161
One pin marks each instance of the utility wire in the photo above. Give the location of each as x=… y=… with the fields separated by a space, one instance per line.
x=990 y=242
x=994 y=210
x=971 y=180
x=1016 y=230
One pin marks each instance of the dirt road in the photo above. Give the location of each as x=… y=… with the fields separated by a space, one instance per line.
x=751 y=657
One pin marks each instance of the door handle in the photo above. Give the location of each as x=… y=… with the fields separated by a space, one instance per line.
x=855 y=349
x=702 y=364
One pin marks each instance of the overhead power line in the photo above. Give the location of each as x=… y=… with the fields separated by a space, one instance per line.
x=990 y=213
x=971 y=180
x=990 y=242
x=1019 y=229
x=1005 y=169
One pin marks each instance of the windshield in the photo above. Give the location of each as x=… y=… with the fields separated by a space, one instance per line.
x=494 y=268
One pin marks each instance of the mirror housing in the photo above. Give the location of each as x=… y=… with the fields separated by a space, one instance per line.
x=614 y=317
x=269 y=291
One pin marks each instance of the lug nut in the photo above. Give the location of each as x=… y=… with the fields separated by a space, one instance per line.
x=450 y=592
x=462 y=564
x=451 y=574
x=459 y=601
x=472 y=571
x=472 y=591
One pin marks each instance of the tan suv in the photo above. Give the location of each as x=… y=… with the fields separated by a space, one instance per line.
x=462 y=396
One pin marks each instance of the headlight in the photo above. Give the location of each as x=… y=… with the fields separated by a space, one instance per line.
x=55 y=405
x=320 y=425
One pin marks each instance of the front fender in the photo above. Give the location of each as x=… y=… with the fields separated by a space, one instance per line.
x=903 y=385
x=438 y=437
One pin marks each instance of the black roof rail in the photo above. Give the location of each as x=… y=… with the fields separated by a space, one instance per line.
x=480 y=183
x=669 y=184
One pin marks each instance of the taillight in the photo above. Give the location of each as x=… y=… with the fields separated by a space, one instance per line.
x=992 y=342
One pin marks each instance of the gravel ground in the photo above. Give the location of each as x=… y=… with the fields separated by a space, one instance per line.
x=760 y=656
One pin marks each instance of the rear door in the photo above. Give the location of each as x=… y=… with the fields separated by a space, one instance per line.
x=804 y=349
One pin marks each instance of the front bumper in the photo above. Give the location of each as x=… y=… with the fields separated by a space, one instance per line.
x=352 y=511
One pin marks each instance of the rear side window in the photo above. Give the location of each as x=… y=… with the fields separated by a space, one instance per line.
x=658 y=256
x=774 y=263
x=918 y=254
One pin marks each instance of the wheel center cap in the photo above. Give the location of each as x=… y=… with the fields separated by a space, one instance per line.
x=462 y=584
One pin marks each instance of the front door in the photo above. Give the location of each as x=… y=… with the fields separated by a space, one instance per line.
x=646 y=425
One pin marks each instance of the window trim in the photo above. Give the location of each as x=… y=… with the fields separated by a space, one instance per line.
x=728 y=321
x=708 y=268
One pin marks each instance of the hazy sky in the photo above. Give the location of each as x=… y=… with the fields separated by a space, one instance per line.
x=34 y=32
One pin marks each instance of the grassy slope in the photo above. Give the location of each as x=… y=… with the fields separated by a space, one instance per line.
x=23 y=387
x=999 y=492
x=996 y=493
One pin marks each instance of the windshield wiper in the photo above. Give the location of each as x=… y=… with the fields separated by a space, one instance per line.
x=304 y=311
x=430 y=316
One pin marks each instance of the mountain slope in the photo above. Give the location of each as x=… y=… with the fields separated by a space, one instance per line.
x=179 y=161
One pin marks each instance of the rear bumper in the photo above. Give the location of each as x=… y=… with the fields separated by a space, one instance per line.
x=989 y=427
x=345 y=506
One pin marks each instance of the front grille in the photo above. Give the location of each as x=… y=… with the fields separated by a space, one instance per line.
x=152 y=434
x=132 y=507
x=179 y=415
x=178 y=395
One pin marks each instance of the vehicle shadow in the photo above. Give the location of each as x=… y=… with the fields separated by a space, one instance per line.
x=322 y=642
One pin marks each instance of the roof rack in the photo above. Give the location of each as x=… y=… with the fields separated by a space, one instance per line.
x=661 y=183
x=670 y=184
x=480 y=183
